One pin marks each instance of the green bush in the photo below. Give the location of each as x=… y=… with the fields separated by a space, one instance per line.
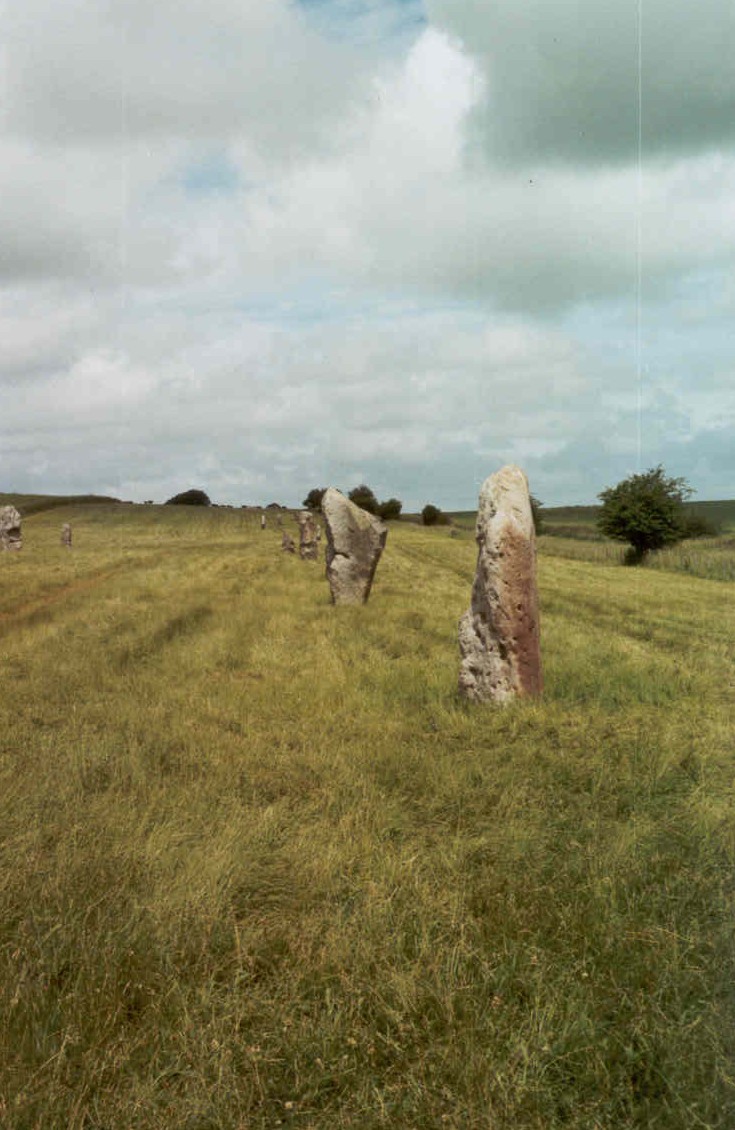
x=364 y=497
x=390 y=509
x=189 y=498
x=645 y=510
x=313 y=500
x=432 y=516
x=538 y=521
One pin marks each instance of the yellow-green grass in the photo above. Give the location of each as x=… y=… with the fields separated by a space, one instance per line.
x=709 y=558
x=261 y=866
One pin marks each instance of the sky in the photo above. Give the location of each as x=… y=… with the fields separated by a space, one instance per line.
x=258 y=246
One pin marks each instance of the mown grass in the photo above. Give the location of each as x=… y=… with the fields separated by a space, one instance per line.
x=261 y=866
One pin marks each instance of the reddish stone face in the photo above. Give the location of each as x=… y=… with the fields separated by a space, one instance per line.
x=499 y=635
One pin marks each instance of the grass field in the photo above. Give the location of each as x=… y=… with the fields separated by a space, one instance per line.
x=262 y=868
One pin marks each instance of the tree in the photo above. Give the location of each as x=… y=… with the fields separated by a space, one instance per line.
x=430 y=515
x=645 y=510
x=390 y=509
x=363 y=497
x=538 y=518
x=189 y=498
x=313 y=500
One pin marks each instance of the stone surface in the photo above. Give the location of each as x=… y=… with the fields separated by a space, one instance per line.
x=308 y=542
x=262 y=521
x=355 y=541
x=66 y=535
x=499 y=636
x=10 y=533
x=288 y=545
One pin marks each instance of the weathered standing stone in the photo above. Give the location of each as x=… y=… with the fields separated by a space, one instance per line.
x=288 y=545
x=10 y=532
x=499 y=637
x=355 y=541
x=308 y=543
x=262 y=521
x=66 y=535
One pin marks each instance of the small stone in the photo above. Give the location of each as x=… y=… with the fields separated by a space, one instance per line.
x=262 y=521
x=66 y=535
x=308 y=541
x=288 y=545
x=355 y=541
x=10 y=532
x=499 y=637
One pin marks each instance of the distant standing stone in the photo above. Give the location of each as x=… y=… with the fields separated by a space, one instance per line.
x=10 y=533
x=66 y=535
x=355 y=541
x=288 y=545
x=499 y=637
x=262 y=521
x=308 y=542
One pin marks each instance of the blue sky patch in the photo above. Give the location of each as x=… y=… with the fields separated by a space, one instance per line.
x=365 y=21
x=214 y=173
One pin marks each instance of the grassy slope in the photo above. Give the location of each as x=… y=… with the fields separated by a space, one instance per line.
x=721 y=513
x=262 y=868
x=28 y=504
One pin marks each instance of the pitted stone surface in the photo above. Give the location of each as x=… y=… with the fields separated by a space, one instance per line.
x=355 y=541
x=308 y=542
x=10 y=532
x=499 y=636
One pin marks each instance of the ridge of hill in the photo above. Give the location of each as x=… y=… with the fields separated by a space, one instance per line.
x=29 y=504
x=720 y=512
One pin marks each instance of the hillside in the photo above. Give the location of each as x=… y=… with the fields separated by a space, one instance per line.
x=579 y=521
x=28 y=504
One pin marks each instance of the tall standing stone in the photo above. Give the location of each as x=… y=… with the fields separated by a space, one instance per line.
x=66 y=535
x=10 y=532
x=308 y=541
x=355 y=541
x=499 y=636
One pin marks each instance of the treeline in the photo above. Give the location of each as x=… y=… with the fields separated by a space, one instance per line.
x=362 y=496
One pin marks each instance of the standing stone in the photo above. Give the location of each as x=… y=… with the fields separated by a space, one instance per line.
x=10 y=533
x=308 y=542
x=66 y=535
x=262 y=521
x=355 y=541
x=287 y=543
x=499 y=636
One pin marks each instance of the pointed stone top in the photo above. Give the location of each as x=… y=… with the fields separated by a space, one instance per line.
x=333 y=500
x=355 y=541
x=505 y=491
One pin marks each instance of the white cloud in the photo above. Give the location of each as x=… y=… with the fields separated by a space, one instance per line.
x=236 y=246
